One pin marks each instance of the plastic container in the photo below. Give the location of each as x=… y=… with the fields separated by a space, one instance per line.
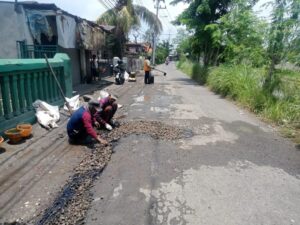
x=1 y=140
x=25 y=129
x=14 y=135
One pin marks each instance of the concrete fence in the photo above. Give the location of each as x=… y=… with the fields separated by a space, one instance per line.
x=22 y=81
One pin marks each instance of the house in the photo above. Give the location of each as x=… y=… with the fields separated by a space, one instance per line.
x=31 y=29
x=134 y=48
x=134 y=56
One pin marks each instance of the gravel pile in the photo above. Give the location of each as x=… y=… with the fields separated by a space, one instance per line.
x=73 y=202
x=156 y=130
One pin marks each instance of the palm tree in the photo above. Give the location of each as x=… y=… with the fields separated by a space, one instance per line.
x=125 y=16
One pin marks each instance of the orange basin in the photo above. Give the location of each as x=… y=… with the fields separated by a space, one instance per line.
x=25 y=129
x=14 y=135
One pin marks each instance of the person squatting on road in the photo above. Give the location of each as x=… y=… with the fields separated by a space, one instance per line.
x=108 y=109
x=147 y=69
x=80 y=126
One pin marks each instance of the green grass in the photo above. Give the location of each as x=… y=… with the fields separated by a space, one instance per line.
x=194 y=70
x=244 y=84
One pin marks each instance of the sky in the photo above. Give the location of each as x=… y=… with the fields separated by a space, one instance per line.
x=92 y=9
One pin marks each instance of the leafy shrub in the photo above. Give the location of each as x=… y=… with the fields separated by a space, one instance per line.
x=245 y=85
x=193 y=69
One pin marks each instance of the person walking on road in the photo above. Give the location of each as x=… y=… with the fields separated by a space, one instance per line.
x=108 y=109
x=147 y=69
x=80 y=126
x=167 y=60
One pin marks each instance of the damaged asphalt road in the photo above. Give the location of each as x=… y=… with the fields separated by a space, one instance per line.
x=71 y=205
x=182 y=156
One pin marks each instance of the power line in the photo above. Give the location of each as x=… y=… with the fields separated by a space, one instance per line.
x=157 y=7
x=104 y=4
x=170 y=18
x=169 y=34
x=167 y=24
x=110 y=3
x=169 y=14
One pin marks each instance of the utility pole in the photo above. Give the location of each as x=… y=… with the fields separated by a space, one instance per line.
x=157 y=7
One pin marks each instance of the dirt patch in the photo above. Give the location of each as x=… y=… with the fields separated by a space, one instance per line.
x=146 y=98
x=156 y=130
x=73 y=202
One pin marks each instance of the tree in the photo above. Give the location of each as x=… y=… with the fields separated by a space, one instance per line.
x=125 y=16
x=182 y=42
x=241 y=35
x=148 y=36
x=163 y=50
x=284 y=30
x=196 y=17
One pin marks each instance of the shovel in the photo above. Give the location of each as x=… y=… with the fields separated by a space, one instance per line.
x=58 y=84
x=160 y=71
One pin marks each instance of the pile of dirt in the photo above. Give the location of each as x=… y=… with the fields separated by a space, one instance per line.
x=155 y=129
x=73 y=202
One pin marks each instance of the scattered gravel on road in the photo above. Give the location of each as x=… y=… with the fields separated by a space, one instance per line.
x=73 y=202
x=155 y=129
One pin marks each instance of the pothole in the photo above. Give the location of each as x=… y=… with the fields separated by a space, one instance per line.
x=74 y=200
x=155 y=129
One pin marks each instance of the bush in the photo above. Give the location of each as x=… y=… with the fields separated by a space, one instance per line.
x=199 y=73
x=193 y=69
x=280 y=102
x=245 y=85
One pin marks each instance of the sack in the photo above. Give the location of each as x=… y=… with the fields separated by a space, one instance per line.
x=47 y=115
x=126 y=75
x=73 y=103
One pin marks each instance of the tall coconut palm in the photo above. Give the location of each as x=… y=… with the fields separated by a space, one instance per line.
x=126 y=16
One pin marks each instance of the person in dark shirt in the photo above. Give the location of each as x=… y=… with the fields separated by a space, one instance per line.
x=108 y=109
x=80 y=125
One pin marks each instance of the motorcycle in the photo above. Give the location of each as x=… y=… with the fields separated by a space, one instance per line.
x=119 y=72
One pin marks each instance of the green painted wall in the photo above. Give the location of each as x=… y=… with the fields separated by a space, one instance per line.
x=22 y=81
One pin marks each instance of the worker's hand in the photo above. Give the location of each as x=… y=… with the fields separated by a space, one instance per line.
x=97 y=124
x=102 y=141
x=108 y=127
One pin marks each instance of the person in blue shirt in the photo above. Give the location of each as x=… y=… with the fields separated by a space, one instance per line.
x=80 y=125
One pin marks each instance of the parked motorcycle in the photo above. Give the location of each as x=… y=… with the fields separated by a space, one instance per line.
x=119 y=72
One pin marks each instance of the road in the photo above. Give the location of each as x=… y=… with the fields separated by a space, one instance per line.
x=232 y=169
x=229 y=168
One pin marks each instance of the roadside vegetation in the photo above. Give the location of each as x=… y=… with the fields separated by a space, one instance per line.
x=245 y=58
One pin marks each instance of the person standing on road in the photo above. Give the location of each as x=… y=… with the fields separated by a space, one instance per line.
x=108 y=109
x=80 y=126
x=147 y=69
x=94 y=68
